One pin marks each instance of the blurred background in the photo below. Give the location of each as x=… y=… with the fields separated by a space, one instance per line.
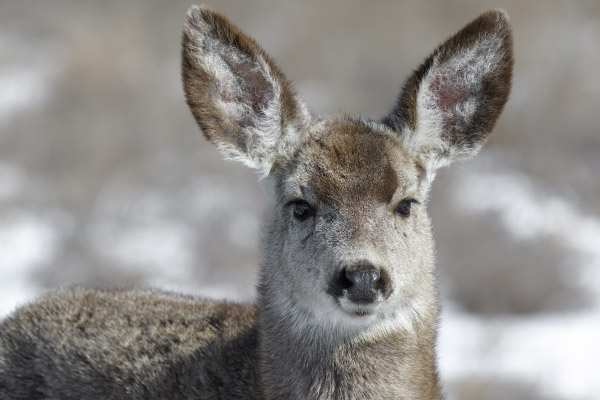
x=105 y=179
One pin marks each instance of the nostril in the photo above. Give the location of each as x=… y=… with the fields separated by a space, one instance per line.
x=345 y=279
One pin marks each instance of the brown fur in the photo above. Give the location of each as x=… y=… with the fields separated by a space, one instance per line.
x=127 y=344
x=348 y=149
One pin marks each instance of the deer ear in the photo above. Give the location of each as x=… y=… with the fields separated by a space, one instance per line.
x=240 y=99
x=450 y=104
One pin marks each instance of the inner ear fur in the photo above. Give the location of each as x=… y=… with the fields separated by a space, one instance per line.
x=450 y=104
x=240 y=99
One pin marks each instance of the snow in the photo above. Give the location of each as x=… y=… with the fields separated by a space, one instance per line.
x=20 y=89
x=27 y=242
x=26 y=75
x=528 y=212
x=556 y=353
x=157 y=248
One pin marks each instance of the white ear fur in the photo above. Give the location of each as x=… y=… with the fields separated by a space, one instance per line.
x=448 y=98
x=449 y=106
x=240 y=99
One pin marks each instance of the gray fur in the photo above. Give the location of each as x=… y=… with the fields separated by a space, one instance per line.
x=303 y=340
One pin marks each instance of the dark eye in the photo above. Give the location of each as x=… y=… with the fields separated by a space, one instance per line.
x=403 y=208
x=302 y=210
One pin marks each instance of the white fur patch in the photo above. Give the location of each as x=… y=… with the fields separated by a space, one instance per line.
x=247 y=97
x=448 y=98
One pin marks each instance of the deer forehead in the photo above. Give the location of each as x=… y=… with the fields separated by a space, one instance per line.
x=346 y=162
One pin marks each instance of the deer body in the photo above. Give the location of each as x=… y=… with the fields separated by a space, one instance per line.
x=347 y=303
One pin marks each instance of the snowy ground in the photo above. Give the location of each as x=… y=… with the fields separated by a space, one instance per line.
x=554 y=352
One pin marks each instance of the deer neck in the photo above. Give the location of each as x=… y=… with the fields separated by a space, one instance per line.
x=300 y=360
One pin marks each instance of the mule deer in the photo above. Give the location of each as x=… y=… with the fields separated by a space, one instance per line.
x=347 y=303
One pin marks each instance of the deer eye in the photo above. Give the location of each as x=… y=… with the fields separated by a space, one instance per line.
x=302 y=210
x=403 y=208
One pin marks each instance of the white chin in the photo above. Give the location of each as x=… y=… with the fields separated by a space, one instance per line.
x=359 y=310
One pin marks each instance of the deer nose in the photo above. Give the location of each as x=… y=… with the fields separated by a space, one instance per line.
x=361 y=283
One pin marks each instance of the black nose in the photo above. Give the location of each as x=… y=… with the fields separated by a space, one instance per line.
x=360 y=283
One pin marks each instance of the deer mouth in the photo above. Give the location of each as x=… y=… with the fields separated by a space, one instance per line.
x=358 y=309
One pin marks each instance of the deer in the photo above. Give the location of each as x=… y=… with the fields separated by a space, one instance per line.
x=347 y=301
